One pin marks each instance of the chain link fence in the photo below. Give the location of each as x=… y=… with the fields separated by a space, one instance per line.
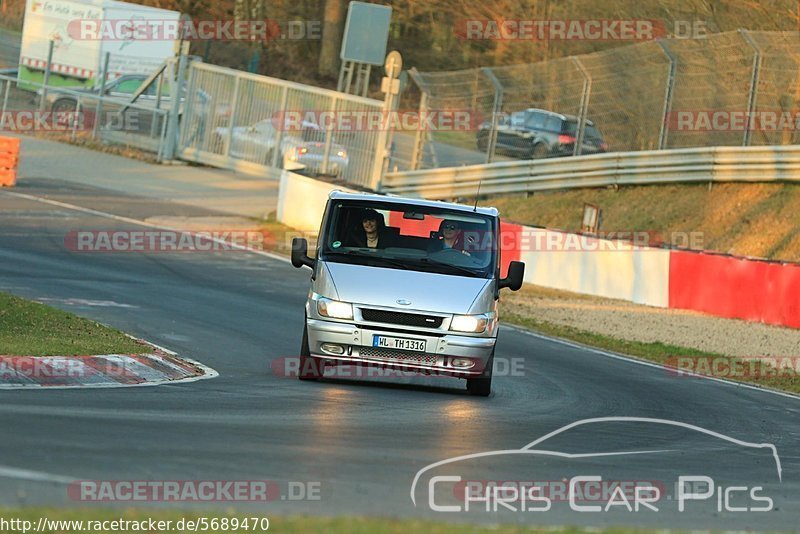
x=83 y=114
x=734 y=88
x=254 y=123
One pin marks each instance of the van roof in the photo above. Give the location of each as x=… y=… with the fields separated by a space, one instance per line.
x=342 y=195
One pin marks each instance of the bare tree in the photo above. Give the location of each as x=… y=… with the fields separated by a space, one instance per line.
x=332 y=30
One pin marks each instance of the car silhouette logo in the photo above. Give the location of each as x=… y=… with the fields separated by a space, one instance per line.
x=403 y=302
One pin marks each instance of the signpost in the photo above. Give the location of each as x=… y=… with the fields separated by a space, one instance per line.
x=390 y=85
x=366 y=32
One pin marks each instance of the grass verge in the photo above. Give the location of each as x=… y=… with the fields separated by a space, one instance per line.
x=288 y=524
x=758 y=219
x=32 y=329
x=783 y=379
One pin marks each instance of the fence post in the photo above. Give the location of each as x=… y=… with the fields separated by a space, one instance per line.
x=172 y=117
x=276 y=148
x=76 y=119
x=385 y=135
x=497 y=105
x=673 y=66
x=587 y=91
x=417 y=151
x=5 y=105
x=751 y=99
x=329 y=138
x=43 y=98
x=98 y=108
x=232 y=122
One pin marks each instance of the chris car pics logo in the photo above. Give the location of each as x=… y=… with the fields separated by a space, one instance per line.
x=445 y=487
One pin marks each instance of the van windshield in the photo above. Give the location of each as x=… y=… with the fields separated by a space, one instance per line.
x=417 y=238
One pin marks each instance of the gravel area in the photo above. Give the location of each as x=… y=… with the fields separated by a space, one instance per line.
x=629 y=321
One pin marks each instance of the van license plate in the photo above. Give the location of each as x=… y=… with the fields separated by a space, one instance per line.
x=401 y=343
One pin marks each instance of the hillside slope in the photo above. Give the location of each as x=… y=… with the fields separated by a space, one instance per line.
x=760 y=220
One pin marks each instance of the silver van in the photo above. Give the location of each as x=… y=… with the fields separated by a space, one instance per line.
x=404 y=284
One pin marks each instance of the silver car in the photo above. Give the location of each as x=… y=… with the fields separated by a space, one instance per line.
x=302 y=150
x=404 y=284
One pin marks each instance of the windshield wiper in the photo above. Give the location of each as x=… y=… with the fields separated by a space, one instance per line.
x=458 y=268
x=356 y=254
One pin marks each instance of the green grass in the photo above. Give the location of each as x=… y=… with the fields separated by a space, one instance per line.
x=655 y=352
x=32 y=329
x=287 y=524
x=758 y=220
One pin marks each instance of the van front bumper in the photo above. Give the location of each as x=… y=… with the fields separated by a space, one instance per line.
x=440 y=355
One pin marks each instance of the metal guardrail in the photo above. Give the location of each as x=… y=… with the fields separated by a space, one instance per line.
x=706 y=164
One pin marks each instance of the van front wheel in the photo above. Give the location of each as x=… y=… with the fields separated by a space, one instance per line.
x=310 y=367
x=482 y=386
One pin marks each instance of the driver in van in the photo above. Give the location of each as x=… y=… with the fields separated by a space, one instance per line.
x=451 y=236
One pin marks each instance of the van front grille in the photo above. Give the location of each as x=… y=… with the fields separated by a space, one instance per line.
x=402 y=318
x=419 y=358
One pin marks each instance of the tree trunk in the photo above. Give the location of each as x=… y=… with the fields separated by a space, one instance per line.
x=332 y=30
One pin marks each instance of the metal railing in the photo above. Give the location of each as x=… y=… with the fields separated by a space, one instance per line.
x=706 y=164
x=247 y=122
x=631 y=93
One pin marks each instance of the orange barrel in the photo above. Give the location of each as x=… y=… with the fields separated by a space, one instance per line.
x=9 y=159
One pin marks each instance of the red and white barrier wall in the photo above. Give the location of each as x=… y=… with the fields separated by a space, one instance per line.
x=716 y=284
x=741 y=288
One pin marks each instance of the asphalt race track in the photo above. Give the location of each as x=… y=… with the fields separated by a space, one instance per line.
x=363 y=441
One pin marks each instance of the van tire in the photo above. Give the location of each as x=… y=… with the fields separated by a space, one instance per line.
x=482 y=386
x=310 y=368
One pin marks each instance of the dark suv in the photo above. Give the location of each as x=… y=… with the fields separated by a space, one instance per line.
x=538 y=133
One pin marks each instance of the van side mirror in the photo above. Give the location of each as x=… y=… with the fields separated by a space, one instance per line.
x=300 y=253
x=516 y=272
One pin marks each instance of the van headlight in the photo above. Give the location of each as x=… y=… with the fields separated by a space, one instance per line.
x=334 y=308
x=470 y=323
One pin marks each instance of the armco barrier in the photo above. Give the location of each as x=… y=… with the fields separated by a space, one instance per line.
x=739 y=288
x=9 y=159
x=686 y=165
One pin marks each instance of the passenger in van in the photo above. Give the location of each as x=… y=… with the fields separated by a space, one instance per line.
x=450 y=236
x=371 y=231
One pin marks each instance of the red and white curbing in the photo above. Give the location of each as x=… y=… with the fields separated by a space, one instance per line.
x=100 y=371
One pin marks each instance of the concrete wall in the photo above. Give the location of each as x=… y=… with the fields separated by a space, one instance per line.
x=601 y=267
x=301 y=201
